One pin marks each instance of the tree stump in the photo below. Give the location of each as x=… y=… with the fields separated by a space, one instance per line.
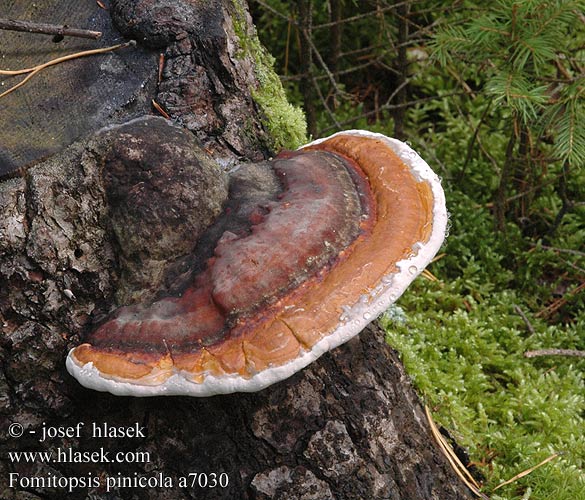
x=350 y=426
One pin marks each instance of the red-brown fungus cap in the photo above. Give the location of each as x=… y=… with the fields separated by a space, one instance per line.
x=358 y=217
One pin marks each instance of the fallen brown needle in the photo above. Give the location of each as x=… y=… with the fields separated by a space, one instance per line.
x=527 y=471
x=36 y=69
x=453 y=459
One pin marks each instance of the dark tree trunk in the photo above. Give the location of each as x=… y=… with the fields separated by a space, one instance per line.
x=501 y=193
x=402 y=12
x=335 y=36
x=306 y=66
x=350 y=426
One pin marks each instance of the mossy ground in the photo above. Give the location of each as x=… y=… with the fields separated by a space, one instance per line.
x=463 y=340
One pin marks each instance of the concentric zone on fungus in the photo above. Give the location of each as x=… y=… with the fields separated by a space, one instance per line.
x=359 y=217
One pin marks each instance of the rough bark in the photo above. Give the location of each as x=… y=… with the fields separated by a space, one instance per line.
x=350 y=426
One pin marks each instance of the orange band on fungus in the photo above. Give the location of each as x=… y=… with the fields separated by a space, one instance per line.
x=264 y=306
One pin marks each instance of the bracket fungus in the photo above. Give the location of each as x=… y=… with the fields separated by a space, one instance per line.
x=347 y=223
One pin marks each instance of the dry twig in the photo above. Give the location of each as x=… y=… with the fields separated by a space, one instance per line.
x=561 y=250
x=47 y=29
x=525 y=319
x=557 y=304
x=554 y=352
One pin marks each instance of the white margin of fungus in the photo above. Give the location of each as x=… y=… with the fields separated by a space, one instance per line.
x=352 y=321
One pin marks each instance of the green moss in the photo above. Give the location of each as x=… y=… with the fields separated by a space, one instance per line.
x=464 y=348
x=285 y=122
